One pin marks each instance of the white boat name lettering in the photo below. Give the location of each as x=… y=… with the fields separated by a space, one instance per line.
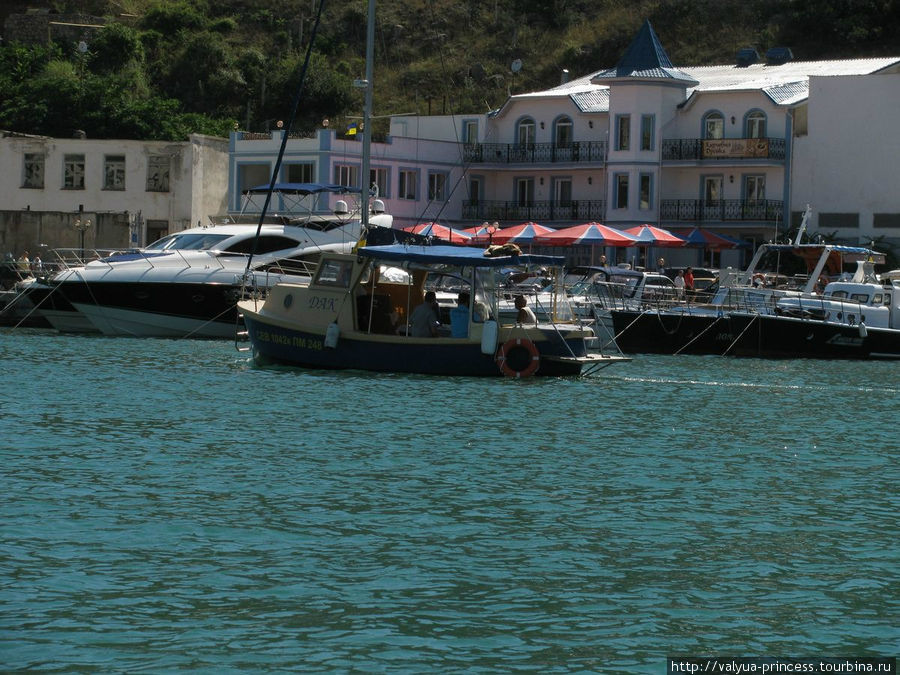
x=289 y=341
x=319 y=302
x=845 y=340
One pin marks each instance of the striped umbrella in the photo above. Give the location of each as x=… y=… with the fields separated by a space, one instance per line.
x=588 y=233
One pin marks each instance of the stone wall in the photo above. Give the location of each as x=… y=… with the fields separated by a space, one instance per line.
x=40 y=230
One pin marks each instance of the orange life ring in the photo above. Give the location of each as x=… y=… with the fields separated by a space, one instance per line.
x=534 y=357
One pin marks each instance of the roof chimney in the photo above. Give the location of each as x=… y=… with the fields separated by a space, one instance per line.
x=564 y=77
x=778 y=55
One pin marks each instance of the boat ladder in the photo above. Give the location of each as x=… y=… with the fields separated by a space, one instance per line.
x=241 y=336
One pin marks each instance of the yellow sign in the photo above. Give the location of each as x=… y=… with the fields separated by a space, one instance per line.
x=721 y=148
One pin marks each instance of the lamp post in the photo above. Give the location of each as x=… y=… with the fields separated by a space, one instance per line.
x=81 y=226
x=491 y=229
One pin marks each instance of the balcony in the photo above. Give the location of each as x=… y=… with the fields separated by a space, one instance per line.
x=581 y=152
x=720 y=210
x=723 y=149
x=580 y=210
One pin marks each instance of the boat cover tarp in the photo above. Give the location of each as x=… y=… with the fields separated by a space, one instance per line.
x=301 y=188
x=454 y=255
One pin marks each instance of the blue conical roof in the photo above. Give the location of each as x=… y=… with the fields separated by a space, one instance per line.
x=645 y=58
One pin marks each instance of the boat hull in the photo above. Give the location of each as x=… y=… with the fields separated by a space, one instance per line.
x=751 y=335
x=165 y=309
x=276 y=344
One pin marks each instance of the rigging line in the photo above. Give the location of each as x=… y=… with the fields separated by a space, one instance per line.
x=755 y=317
x=696 y=337
x=284 y=136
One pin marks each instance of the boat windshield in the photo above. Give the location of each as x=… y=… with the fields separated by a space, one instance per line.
x=183 y=241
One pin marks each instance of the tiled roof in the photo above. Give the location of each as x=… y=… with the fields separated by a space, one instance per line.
x=645 y=58
x=785 y=84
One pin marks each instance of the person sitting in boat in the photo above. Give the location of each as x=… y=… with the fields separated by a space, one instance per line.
x=424 y=321
x=459 y=316
x=525 y=316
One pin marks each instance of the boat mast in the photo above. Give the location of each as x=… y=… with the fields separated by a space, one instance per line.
x=367 y=117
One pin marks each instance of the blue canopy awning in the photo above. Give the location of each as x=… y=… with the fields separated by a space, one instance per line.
x=454 y=255
x=301 y=188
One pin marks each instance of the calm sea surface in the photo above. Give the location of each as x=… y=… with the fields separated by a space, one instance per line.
x=167 y=506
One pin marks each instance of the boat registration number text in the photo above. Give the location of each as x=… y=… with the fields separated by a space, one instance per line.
x=289 y=340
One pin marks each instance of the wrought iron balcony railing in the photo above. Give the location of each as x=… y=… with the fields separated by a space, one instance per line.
x=700 y=210
x=534 y=153
x=727 y=149
x=582 y=210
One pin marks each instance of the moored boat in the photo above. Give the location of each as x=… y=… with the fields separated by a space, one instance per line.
x=354 y=314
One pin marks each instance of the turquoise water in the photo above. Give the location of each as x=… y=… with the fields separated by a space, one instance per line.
x=167 y=506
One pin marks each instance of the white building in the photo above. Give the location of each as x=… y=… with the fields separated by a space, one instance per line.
x=739 y=149
x=132 y=191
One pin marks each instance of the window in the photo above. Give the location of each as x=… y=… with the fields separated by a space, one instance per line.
x=564 y=135
x=754 y=188
x=346 y=175
x=645 y=199
x=562 y=191
x=524 y=191
x=714 y=126
x=623 y=132
x=470 y=132
x=378 y=178
x=334 y=273
x=114 y=172
x=756 y=125
x=712 y=188
x=648 y=122
x=525 y=132
x=299 y=173
x=407 y=189
x=621 y=191
x=73 y=172
x=158 y=173
x=34 y=170
x=437 y=187
x=828 y=221
x=886 y=220
x=474 y=190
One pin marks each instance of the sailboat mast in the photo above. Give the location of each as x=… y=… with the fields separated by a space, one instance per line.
x=367 y=116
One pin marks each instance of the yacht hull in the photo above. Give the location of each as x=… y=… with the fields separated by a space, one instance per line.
x=751 y=335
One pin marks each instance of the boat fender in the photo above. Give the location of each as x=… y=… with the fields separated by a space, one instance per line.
x=863 y=331
x=331 y=335
x=531 y=366
x=490 y=333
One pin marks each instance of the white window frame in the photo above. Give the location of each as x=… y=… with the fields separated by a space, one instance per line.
x=437 y=186
x=346 y=175
x=755 y=187
x=755 y=124
x=648 y=132
x=525 y=132
x=713 y=184
x=564 y=133
x=713 y=125
x=524 y=191
x=114 y=172
x=623 y=132
x=562 y=191
x=407 y=184
x=158 y=169
x=645 y=179
x=73 y=172
x=378 y=176
x=33 y=164
x=307 y=172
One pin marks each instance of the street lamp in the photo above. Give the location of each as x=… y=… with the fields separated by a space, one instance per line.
x=81 y=226
x=491 y=229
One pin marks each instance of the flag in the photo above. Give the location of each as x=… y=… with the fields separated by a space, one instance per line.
x=351 y=129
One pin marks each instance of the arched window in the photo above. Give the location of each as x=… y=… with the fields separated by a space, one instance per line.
x=563 y=136
x=714 y=125
x=755 y=125
x=525 y=132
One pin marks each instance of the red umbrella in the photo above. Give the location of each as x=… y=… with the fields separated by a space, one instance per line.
x=648 y=235
x=438 y=231
x=706 y=239
x=589 y=233
x=526 y=233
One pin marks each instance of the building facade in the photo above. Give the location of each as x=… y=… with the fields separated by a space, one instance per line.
x=133 y=192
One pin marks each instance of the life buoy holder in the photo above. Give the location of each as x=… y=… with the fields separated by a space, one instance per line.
x=531 y=366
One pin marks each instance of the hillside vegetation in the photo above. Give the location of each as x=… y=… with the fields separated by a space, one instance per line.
x=164 y=68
